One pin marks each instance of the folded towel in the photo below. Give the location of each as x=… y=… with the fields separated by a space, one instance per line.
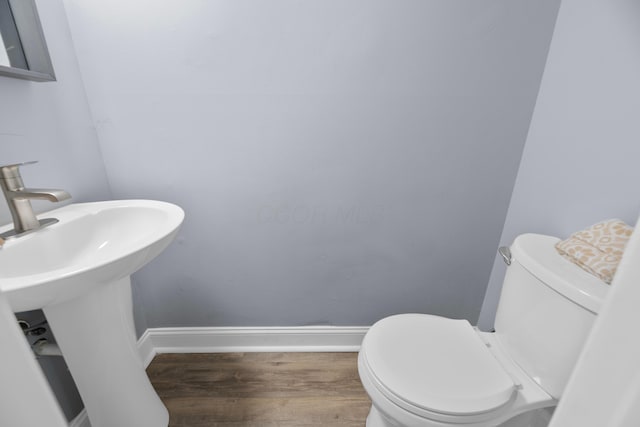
x=597 y=249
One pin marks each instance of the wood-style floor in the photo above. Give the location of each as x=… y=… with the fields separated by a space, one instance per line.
x=260 y=389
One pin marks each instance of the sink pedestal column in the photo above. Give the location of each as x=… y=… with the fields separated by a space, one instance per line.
x=97 y=337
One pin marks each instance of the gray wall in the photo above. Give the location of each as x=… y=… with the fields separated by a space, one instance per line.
x=337 y=161
x=580 y=162
x=51 y=122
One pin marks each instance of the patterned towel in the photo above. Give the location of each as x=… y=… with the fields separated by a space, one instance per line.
x=597 y=249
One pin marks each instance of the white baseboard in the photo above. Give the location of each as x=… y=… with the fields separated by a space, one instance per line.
x=247 y=339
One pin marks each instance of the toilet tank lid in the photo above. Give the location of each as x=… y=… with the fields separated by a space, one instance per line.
x=538 y=255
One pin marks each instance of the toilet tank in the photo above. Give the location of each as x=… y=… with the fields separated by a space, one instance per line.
x=546 y=310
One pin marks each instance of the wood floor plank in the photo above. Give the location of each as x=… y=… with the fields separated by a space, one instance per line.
x=260 y=389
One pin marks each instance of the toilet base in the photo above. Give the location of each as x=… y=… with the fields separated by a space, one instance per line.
x=375 y=419
x=535 y=418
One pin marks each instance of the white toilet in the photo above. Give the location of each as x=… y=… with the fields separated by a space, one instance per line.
x=423 y=371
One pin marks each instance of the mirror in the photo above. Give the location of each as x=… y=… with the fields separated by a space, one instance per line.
x=23 y=51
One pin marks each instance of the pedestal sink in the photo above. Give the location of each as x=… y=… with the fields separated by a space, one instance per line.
x=78 y=271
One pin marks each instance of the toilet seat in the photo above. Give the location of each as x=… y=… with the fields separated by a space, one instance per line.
x=436 y=368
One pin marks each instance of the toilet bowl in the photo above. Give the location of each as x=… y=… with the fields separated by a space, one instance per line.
x=457 y=376
x=422 y=370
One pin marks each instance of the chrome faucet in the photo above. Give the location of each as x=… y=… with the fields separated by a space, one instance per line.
x=19 y=200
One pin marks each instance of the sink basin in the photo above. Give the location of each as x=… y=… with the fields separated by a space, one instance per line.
x=92 y=244
x=78 y=272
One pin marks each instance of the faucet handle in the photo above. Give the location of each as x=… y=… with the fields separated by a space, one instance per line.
x=13 y=170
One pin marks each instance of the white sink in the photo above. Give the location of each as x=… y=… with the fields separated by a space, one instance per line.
x=92 y=244
x=77 y=271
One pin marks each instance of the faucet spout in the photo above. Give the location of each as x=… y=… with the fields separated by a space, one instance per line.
x=51 y=195
x=19 y=200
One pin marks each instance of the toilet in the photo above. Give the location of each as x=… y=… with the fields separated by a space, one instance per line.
x=422 y=370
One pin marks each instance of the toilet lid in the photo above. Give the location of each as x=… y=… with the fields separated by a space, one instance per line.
x=435 y=364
